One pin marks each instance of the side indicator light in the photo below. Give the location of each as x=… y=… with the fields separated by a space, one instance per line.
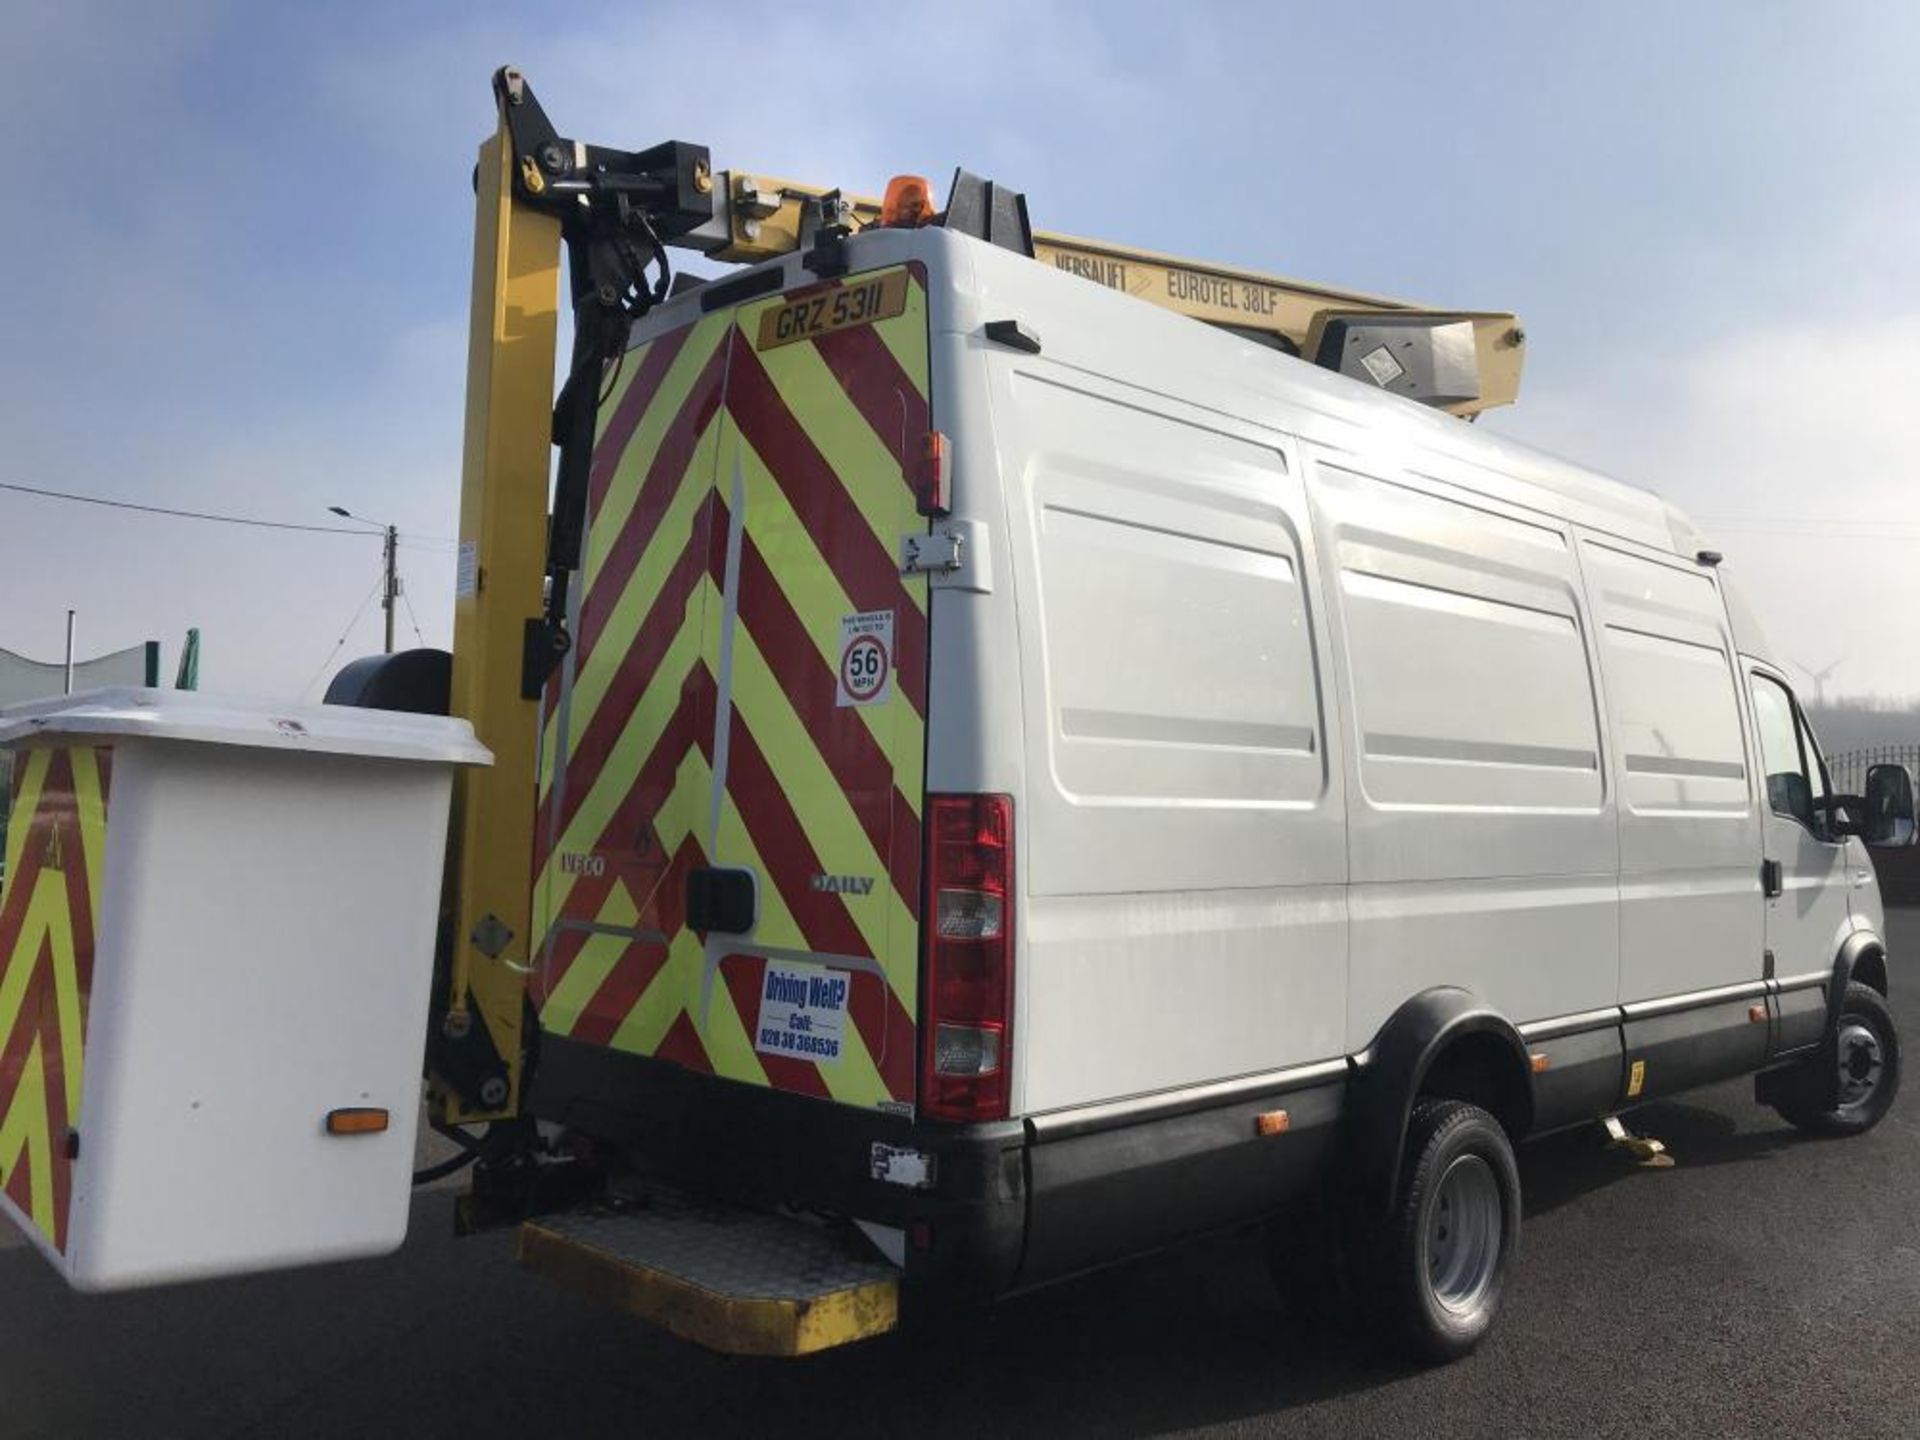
x=933 y=486
x=1757 y=1014
x=1636 y=1078
x=357 y=1121
x=1272 y=1122
x=1541 y=1063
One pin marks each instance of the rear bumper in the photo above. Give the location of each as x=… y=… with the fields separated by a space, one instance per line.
x=756 y=1146
x=1006 y=1206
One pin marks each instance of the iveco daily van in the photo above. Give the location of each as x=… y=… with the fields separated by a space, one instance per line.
x=1039 y=777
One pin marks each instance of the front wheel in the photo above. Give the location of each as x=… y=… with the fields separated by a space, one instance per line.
x=1442 y=1259
x=1848 y=1085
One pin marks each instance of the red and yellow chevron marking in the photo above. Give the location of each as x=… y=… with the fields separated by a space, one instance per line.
x=49 y=913
x=808 y=444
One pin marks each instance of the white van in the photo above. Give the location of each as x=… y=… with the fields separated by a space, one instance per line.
x=1039 y=777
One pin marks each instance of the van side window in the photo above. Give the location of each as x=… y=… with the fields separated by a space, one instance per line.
x=1816 y=766
x=1791 y=787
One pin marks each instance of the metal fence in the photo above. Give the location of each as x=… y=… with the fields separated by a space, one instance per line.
x=1848 y=768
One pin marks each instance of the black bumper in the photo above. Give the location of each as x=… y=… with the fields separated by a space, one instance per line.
x=757 y=1146
x=1007 y=1206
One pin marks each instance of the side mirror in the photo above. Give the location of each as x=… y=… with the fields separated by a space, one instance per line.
x=1888 y=819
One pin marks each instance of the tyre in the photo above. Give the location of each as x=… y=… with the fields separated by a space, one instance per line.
x=1862 y=1055
x=1439 y=1264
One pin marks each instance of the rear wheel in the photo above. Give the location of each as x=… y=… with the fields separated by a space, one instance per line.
x=1440 y=1263
x=1848 y=1085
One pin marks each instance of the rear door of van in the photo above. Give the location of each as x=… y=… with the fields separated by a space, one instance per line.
x=729 y=856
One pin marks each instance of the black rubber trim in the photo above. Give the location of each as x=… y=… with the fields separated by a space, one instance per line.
x=1684 y=1049
x=1168 y=1104
x=721 y=293
x=1582 y=1078
x=1386 y=1088
x=1853 y=950
x=1101 y=1194
x=1534 y=1032
x=1800 y=1019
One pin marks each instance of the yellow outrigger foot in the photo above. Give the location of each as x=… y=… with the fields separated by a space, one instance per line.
x=738 y=1281
x=1651 y=1153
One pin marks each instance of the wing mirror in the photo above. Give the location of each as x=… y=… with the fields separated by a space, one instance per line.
x=1886 y=812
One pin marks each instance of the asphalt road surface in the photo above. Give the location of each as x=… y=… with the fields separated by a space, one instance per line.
x=1766 y=1285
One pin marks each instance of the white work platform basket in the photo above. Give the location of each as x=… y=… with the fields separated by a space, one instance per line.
x=217 y=929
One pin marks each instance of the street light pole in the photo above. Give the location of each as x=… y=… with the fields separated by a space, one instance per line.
x=390 y=563
x=393 y=580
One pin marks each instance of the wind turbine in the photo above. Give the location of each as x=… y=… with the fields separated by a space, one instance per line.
x=1819 y=678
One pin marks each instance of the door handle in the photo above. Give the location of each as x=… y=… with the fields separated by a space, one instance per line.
x=1771 y=879
x=720 y=900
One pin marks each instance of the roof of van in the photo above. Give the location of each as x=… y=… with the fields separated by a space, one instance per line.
x=1258 y=383
x=1085 y=324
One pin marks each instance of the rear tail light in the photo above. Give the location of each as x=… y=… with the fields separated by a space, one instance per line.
x=968 y=1019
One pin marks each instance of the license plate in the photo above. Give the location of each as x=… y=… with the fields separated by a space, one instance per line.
x=859 y=302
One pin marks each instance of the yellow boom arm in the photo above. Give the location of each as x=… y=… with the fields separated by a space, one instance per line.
x=765 y=218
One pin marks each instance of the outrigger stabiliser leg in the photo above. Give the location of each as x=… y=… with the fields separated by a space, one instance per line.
x=1651 y=1153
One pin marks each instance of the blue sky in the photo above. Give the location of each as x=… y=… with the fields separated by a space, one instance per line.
x=240 y=236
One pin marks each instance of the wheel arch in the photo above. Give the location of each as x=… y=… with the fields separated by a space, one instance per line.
x=1442 y=1042
x=1862 y=957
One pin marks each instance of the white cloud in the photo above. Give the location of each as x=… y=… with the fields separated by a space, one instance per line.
x=1794 y=442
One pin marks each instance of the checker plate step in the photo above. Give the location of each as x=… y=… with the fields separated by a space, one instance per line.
x=740 y=1281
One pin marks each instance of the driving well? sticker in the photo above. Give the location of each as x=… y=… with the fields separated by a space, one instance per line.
x=803 y=1012
x=866 y=658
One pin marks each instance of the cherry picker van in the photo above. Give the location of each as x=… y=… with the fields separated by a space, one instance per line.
x=956 y=776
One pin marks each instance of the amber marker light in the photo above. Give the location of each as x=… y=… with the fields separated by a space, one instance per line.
x=361 y=1120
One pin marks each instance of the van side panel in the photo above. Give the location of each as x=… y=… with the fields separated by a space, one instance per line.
x=1481 y=816
x=1691 y=913
x=1185 y=843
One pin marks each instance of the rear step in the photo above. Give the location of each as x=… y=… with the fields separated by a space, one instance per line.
x=739 y=1281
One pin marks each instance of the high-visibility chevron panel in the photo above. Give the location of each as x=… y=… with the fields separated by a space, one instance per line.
x=641 y=623
x=747 y=507
x=49 y=914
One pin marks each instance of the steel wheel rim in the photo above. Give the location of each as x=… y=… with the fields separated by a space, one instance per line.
x=1465 y=1225
x=1862 y=1063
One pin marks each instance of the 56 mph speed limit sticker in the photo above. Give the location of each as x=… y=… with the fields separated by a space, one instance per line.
x=866 y=658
